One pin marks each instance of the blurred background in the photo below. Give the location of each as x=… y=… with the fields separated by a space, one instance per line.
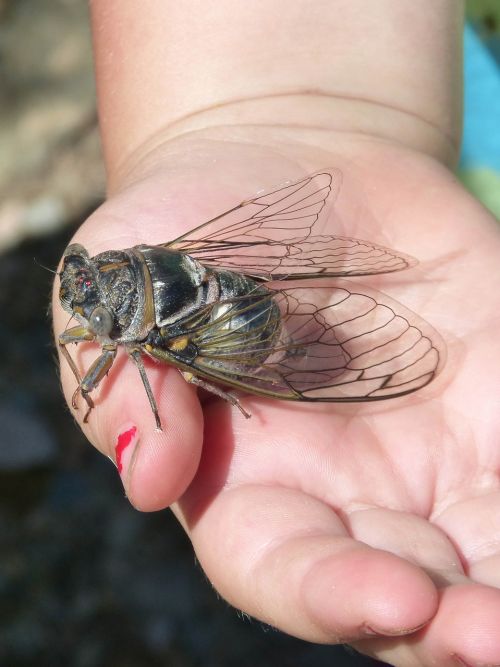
x=85 y=580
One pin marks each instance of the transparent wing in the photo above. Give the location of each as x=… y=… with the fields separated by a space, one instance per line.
x=271 y=237
x=334 y=344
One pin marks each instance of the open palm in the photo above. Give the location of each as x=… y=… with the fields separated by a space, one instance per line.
x=376 y=524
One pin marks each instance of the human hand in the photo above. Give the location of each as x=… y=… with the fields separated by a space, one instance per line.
x=328 y=521
x=331 y=522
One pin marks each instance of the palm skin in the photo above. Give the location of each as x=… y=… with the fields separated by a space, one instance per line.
x=376 y=524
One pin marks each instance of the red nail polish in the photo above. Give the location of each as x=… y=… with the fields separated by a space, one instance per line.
x=124 y=440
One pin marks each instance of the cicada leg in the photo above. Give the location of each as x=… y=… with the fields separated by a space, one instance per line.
x=95 y=373
x=77 y=334
x=136 y=356
x=189 y=377
x=214 y=389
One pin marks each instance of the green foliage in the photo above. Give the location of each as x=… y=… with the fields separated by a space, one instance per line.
x=484 y=12
x=485 y=185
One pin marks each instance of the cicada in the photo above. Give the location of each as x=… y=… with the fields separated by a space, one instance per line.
x=235 y=303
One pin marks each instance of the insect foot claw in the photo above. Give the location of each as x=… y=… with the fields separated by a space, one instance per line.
x=74 y=397
x=246 y=414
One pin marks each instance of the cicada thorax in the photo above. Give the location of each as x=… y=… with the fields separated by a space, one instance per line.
x=204 y=312
x=119 y=280
x=178 y=284
x=147 y=287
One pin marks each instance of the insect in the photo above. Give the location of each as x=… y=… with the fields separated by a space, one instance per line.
x=233 y=303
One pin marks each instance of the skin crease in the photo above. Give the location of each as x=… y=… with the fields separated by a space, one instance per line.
x=358 y=523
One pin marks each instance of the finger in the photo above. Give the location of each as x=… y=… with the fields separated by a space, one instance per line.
x=467 y=627
x=467 y=624
x=474 y=525
x=411 y=537
x=155 y=467
x=286 y=558
x=465 y=631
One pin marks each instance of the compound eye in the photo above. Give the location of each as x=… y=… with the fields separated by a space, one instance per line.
x=83 y=281
x=82 y=287
x=101 y=321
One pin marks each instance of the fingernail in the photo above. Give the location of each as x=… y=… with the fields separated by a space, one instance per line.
x=124 y=450
x=379 y=632
x=465 y=663
x=460 y=661
x=110 y=458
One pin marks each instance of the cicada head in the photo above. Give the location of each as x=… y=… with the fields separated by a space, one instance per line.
x=79 y=290
x=101 y=291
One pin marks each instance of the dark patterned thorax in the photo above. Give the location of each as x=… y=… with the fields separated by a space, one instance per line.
x=119 y=284
x=180 y=284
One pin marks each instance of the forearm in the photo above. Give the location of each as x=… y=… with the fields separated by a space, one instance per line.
x=391 y=68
